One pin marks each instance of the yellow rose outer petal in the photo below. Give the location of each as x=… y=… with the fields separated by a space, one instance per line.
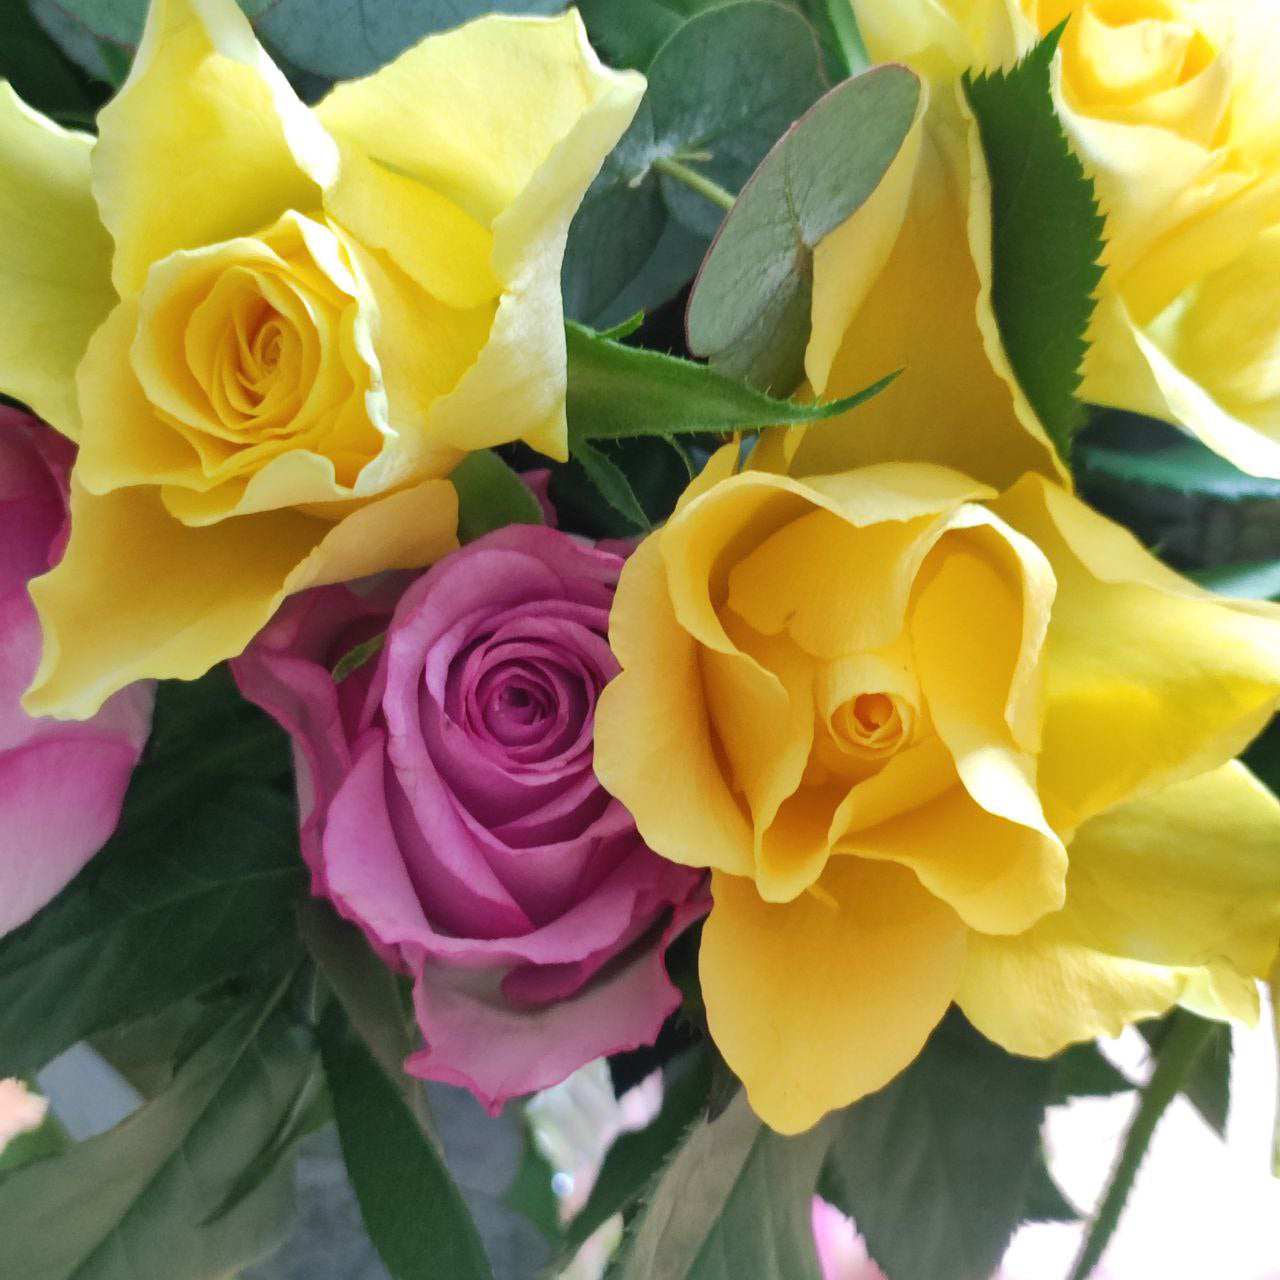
x=653 y=743
x=55 y=261
x=1149 y=678
x=518 y=163
x=817 y=1002
x=926 y=311
x=139 y=594
x=1167 y=897
x=238 y=146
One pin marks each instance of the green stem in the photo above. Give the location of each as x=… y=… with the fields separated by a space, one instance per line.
x=852 y=50
x=1175 y=1057
x=691 y=178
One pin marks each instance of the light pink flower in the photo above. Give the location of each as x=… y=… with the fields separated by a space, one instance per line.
x=61 y=784
x=20 y=1111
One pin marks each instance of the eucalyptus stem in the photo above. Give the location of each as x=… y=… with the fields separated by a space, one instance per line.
x=1175 y=1057
x=691 y=178
x=852 y=50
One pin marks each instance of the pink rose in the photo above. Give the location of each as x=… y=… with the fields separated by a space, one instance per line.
x=61 y=784
x=450 y=807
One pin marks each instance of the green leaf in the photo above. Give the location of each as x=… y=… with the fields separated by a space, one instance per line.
x=611 y=483
x=1082 y=1071
x=736 y=1200
x=1187 y=468
x=1176 y=1055
x=1046 y=1201
x=631 y=34
x=490 y=495
x=41 y=74
x=959 y=1132
x=635 y=1158
x=1047 y=237
x=618 y=391
x=532 y=1193
x=50 y=1139
x=722 y=87
x=750 y=308
x=343 y=39
x=161 y=913
x=1258 y=581
x=358 y=655
x=1207 y=1083
x=412 y=1209
x=368 y=991
x=132 y=1204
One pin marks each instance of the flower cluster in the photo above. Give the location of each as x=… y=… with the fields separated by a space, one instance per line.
x=877 y=712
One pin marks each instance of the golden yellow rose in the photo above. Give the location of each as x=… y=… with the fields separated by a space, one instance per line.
x=1174 y=108
x=905 y=283
x=274 y=330
x=939 y=743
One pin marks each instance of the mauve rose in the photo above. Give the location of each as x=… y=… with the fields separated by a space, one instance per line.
x=450 y=807
x=61 y=784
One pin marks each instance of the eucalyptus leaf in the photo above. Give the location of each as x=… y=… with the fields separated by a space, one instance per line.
x=413 y=1210
x=749 y=312
x=616 y=391
x=161 y=913
x=959 y=1132
x=1046 y=238
x=343 y=39
x=722 y=86
x=735 y=1200
x=134 y=1203
x=631 y=33
x=41 y=74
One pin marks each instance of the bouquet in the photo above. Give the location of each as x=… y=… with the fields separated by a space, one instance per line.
x=733 y=539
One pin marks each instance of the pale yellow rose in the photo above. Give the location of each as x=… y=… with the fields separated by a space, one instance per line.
x=939 y=743
x=274 y=330
x=1173 y=106
x=905 y=283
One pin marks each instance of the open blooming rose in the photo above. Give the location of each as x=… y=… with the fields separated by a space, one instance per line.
x=450 y=809
x=274 y=330
x=1174 y=108
x=939 y=743
x=61 y=785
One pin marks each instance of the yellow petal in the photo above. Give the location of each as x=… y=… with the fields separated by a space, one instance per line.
x=942 y=38
x=653 y=744
x=978 y=623
x=926 y=311
x=1167 y=898
x=999 y=876
x=1149 y=678
x=518 y=163
x=817 y=1002
x=205 y=140
x=55 y=261
x=139 y=594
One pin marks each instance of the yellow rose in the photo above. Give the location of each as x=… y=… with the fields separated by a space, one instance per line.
x=1174 y=108
x=939 y=743
x=905 y=283
x=275 y=330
